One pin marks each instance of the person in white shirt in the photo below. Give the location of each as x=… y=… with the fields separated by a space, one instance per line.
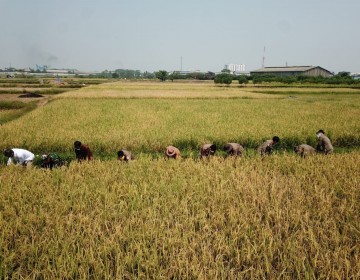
x=19 y=156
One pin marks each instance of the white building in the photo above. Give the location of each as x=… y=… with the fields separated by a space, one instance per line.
x=235 y=68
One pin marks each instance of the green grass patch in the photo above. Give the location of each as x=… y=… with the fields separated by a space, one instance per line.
x=12 y=110
x=46 y=90
x=10 y=105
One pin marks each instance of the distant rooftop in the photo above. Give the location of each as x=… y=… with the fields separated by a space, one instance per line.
x=294 y=70
x=285 y=69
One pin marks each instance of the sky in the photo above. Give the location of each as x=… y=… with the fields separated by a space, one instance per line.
x=189 y=35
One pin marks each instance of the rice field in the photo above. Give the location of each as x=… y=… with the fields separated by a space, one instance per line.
x=146 y=123
x=283 y=217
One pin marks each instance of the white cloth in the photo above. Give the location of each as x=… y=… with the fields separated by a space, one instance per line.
x=21 y=156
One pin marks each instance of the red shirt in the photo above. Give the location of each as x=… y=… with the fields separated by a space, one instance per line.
x=83 y=153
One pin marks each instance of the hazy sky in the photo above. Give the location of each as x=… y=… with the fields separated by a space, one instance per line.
x=153 y=35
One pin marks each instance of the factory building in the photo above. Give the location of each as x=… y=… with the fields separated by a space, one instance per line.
x=313 y=71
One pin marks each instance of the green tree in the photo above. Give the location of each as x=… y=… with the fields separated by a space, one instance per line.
x=223 y=78
x=226 y=71
x=242 y=79
x=148 y=75
x=162 y=75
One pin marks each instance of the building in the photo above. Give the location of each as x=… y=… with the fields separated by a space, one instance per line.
x=235 y=68
x=313 y=71
x=355 y=76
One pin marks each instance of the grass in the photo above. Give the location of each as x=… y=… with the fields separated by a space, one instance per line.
x=11 y=105
x=46 y=80
x=45 y=85
x=11 y=110
x=40 y=90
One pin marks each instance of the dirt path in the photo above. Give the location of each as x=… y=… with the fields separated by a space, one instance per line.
x=43 y=101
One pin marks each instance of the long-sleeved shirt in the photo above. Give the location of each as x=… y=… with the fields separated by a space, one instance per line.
x=207 y=150
x=324 y=144
x=234 y=149
x=304 y=150
x=83 y=152
x=266 y=148
x=21 y=156
x=125 y=155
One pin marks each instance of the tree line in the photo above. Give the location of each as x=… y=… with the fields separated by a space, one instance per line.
x=226 y=78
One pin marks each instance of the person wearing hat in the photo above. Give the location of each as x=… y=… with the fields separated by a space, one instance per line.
x=207 y=150
x=304 y=150
x=19 y=156
x=82 y=151
x=324 y=144
x=124 y=155
x=172 y=152
x=267 y=147
x=233 y=149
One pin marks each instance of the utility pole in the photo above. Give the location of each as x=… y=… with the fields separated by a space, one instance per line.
x=263 y=59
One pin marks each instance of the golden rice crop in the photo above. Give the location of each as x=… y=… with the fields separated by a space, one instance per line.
x=205 y=89
x=146 y=125
x=284 y=217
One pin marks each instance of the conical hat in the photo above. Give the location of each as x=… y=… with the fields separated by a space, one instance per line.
x=170 y=151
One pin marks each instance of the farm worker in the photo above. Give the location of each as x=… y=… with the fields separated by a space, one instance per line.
x=124 y=155
x=51 y=160
x=233 y=149
x=82 y=151
x=304 y=150
x=19 y=156
x=172 y=152
x=207 y=150
x=267 y=147
x=324 y=143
